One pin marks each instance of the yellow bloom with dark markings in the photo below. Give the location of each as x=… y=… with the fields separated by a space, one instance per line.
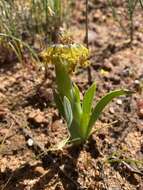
x=70 y=55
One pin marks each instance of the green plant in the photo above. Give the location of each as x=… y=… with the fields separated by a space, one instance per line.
x=32 y=17
x=11 y=30
x=18 y=46
x=47 y=16
x=16 y=17
x=79 y=115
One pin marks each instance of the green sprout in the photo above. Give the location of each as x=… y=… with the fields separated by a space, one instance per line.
x=80 y=116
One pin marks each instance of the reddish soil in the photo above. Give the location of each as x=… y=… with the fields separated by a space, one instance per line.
x=112 y=159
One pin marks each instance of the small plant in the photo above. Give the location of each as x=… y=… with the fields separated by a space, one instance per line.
x=15 y=44
x=26 y=23
x=29 y=19
x=79 y=115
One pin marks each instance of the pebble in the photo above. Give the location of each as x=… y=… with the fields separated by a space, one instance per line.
x=30 y=142
x=40 y=170
x=111 y=110
x=119 y=102
x=141 y=112
x=137 y=82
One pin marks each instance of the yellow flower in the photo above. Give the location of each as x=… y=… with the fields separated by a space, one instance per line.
x=70 y=55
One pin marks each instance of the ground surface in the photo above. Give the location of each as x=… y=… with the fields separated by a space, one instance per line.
x=113 y=157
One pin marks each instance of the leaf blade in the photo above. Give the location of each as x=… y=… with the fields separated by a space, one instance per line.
x=68 y=111
x=76 y=93
x=86 y=110
x=88 y=99
x=102 y=103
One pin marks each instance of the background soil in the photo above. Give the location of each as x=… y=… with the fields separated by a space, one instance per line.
x=112 y=159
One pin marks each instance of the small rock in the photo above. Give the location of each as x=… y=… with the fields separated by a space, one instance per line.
x=39 y=170
x=136 y=82
x=111 y=110
x=141 y=112
x=30 y=142
x=119 y=102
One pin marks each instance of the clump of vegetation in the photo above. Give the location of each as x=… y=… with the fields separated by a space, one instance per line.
x=31 y=17
x=79 y=115
x=22 y=23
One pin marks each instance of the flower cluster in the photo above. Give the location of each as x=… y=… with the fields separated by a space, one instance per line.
x=70 y=55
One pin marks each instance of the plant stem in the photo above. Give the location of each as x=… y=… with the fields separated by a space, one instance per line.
x=87 y=45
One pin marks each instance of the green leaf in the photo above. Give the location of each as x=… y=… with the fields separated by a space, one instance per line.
x=88 y=99
x=57 y=7
x=84 y=121
x=102 y=103
x=68 y=111
x=76 y=105
x=76 y=93
x=59 y=103
x=74 y=130
x=86 y=111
